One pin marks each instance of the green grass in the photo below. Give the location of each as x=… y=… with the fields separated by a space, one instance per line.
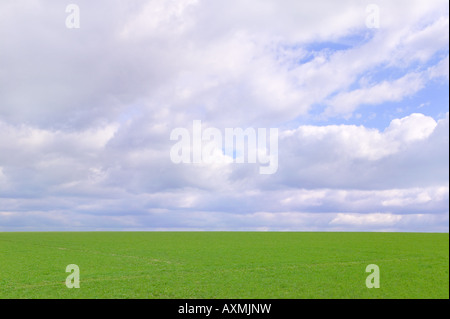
x=224 y=265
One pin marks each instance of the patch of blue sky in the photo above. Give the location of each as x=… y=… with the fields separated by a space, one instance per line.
x=432 y=100
x=393 y=72
x=302 y=53
x=352 y=40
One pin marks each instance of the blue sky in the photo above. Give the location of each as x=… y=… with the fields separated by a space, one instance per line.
x=86 y=115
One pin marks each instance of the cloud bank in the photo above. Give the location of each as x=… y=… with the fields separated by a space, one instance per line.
x=86 y=115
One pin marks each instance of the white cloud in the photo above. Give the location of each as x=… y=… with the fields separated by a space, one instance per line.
x=375 y=219
x=159 y=18
x=414 y=127
x=386 y=91
x=439 y=70
x=358 y=142
x=86 y=115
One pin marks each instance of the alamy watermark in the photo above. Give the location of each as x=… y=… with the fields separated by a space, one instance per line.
x=73 y=280
x=73 y=19
x=234 y=145
x=373 y=16
x=373 y=280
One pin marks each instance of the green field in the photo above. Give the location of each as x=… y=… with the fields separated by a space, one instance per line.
x=226 y=265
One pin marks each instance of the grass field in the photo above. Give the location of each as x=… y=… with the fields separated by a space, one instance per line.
x=223 y=265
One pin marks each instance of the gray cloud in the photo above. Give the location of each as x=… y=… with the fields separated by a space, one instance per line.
x=86 y=115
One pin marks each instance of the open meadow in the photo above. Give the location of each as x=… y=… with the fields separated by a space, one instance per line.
x=270 y=265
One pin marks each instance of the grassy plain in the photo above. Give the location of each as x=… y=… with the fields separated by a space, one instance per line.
x=272 y=265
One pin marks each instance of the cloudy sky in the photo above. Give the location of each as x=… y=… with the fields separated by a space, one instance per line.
x=359 y=91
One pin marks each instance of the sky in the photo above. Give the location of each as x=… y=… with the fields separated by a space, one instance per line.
x=358 y=90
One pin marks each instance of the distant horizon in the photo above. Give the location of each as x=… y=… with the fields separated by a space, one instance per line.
x=219 y=231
